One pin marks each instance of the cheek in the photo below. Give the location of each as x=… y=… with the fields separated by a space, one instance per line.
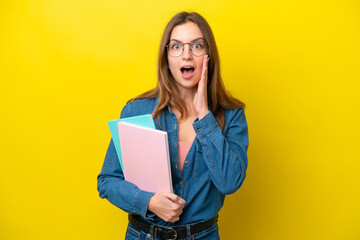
x=172 y=67
x=200 y=64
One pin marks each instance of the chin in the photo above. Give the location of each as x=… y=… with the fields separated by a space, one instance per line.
x=188 y=83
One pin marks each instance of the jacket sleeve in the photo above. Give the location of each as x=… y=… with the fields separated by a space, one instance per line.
x=112 y=186
x=224 y=154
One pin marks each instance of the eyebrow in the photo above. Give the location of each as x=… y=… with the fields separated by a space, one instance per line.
x=191 y=41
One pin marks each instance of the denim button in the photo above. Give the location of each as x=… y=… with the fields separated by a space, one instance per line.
x=186 y=161
x=199 y=129
x=181 y=183
x=175 y=144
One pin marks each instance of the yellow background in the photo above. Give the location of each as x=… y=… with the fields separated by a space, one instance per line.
x=67 y=67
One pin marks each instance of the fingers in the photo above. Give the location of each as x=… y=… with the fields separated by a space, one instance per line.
x=174 y=213
x=203 y=80
x=167 y=206
x=174 y=209
x=200 y=102
x=205 y=63
x=175 y=198
x=205 y=67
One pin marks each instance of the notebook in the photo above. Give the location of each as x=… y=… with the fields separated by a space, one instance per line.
x=142 y=120
x=146 y=158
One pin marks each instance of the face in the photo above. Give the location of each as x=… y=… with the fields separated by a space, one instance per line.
x=186 y=69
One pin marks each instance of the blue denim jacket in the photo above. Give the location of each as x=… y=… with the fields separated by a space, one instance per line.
x=215 y=165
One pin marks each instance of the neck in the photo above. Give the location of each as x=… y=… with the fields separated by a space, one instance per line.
x=187 y=95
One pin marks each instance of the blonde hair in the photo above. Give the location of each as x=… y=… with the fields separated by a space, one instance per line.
x=166 y=88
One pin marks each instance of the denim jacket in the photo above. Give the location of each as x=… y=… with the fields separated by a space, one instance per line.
x=215 y=165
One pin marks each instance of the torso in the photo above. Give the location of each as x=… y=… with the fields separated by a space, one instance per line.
x=195 y=183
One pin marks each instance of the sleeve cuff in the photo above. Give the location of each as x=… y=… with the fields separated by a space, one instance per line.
x=141 y=204
x=205 y=125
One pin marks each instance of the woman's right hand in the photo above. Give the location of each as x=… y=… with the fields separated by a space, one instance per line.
x=166 y=206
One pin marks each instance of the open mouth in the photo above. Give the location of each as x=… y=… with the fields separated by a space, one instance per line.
x=187 y=70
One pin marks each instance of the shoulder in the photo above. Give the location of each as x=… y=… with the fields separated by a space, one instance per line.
x=139 y=107
x=231 y=113
x=235 y=117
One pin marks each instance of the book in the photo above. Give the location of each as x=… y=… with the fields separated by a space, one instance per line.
x=141 y=120
x=146 y=158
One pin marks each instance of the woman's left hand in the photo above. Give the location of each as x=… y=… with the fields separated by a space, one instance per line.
x=200 y=102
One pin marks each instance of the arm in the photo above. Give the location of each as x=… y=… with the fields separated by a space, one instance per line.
x=129 y=197
x=224 y=155
x=112 y=186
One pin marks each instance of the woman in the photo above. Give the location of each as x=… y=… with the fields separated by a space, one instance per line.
x=207 y=133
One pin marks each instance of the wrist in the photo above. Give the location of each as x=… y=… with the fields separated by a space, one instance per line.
x=151 y=202
x=203 y=113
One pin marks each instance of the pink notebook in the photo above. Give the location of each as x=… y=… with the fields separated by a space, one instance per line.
x=145 y=156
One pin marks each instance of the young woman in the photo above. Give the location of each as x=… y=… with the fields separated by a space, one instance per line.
x=207 y=134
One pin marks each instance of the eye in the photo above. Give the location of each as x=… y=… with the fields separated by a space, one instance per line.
x=175 y=46
x=198 y=45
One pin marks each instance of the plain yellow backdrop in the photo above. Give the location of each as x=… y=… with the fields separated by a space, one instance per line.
x=67 y=67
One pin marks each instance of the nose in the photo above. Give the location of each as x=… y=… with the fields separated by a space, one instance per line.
x=187 y=52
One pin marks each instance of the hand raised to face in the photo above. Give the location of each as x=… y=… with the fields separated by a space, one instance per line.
x=200 y=102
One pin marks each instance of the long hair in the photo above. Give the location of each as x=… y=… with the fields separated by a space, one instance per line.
x=166 y=88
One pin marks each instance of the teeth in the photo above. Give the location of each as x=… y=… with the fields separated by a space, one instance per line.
x=187 y=69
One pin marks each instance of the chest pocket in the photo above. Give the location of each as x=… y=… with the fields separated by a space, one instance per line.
x=201 y=171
